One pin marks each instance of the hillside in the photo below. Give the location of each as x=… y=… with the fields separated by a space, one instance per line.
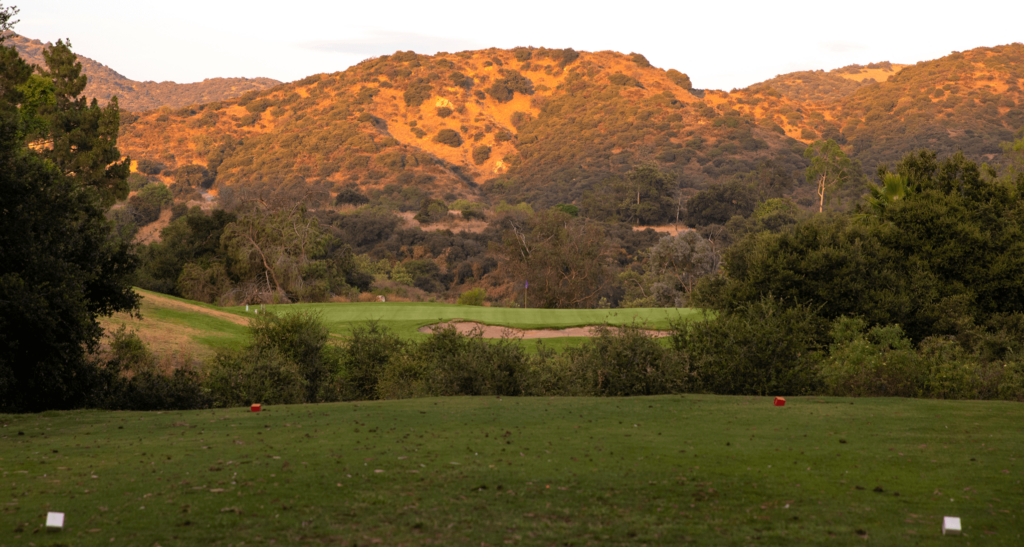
x=546 y=125
x=970 y=101
x=132 y=96
x=537 y=124
x=818 y=86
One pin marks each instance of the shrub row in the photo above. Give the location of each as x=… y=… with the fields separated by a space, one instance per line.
x=762 y=349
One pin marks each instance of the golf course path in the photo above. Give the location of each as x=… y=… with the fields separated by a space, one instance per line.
x=498 y=331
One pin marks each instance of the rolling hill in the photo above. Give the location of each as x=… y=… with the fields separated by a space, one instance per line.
x=533 y=123
x=132 y=96
x=547 y=125
x=967 y=101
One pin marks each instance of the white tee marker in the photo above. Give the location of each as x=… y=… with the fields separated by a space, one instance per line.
x=55 y=521
x=951 y=526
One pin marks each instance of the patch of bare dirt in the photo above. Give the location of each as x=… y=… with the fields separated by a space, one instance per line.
x=671 y=229
x=497 y=331
x=150 y=233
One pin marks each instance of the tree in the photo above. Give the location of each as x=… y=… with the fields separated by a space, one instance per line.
x=1013 y=156
x=81 y=138
x=645 y=197
x=673 y=266
x=432 y=210
x=830 y=168
x=191 y=238
x=894 y=188
x=563 y=258
x=282 y=256
x=946 y=254
x=720 y=202
x=770 y=180
x=61 y=265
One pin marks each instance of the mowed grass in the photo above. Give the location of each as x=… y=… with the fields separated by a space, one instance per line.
x=171 y=324
x=661 y=470
x=406 y=318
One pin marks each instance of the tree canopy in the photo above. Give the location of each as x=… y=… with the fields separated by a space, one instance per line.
x=61 y=264
x=949 y=252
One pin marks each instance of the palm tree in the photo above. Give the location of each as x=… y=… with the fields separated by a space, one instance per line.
x=894 y=188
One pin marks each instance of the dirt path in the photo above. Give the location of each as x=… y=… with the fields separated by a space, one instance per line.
x=496 y=331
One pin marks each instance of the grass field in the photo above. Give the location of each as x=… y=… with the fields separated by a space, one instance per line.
x=522 y=471
x=171 y=324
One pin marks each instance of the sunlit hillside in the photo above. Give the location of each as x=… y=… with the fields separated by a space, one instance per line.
x=969 y=101
x=133 y=96
x=546 y=125
x=538 y=124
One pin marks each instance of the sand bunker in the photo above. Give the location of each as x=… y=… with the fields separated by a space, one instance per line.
x=496 y=331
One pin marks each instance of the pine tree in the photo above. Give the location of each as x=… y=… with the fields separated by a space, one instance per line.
x=81 y=137
x=61 y=265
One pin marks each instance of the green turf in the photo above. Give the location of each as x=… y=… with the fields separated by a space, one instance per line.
x=405 y=318
x=531 y=471
x=218 y=333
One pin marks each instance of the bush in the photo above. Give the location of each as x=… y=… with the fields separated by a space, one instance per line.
x=444 y=111
x=130 y=380
x=449 y=137
x=503 y=89
x=371 y=349
x=762 y=348
x=481 y=154
x=432 y=210
x=472 y=297
x=624 y=361
x=287 y=361
x=255 y=375
x=203 y=281
x=351 y=196
x=145 y=205
x=193 y=176
x=640 y=60
x=149 y=167
x=680 y=79
x=720 y=202
x=623 y=80
x=417 y=93
x=880 y=361
x=469 y=365
x=301 y=338
x=568 y=209
x=137 y=181
x=519 y=119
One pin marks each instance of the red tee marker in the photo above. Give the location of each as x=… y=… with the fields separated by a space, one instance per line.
x=255 y=407
x=780 y=401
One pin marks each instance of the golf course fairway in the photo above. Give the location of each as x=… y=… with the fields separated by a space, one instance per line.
x=665 y=470
x=170 y=324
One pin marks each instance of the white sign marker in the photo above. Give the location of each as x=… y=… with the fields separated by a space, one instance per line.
x=951 y=526
x=55 y=521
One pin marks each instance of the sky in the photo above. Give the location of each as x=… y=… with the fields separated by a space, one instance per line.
x=720 y=45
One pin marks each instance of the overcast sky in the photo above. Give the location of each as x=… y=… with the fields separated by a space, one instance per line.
x=721 y=45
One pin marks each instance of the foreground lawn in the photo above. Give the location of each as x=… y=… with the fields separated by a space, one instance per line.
x=471 y=471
